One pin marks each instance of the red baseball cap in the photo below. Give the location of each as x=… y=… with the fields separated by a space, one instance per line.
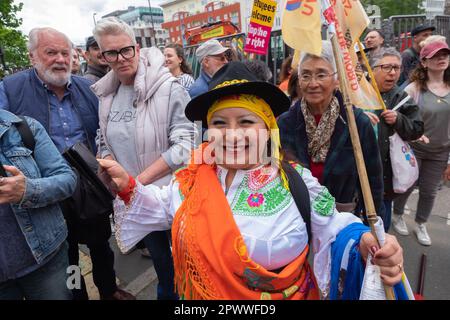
x=432 y=48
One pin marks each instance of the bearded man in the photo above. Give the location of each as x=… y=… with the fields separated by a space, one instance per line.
x=67 y=108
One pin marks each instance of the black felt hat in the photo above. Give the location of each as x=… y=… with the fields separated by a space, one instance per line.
x=236 y=78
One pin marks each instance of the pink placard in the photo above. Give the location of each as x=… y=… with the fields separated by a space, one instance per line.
x=258 y=38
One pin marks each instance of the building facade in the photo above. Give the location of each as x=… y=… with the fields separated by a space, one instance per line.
x=214 y=11
x=433 y=8
x=182 y=14
x=146 y=23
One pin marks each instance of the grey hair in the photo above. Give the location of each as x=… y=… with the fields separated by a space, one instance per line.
x=112 y=26
x=33 y=37
x=327 y=55
x=383 y=52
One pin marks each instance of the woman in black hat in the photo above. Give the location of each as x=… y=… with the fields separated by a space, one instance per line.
x=241 y=217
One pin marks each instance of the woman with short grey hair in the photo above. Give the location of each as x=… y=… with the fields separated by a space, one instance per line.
x=315 y=132
x=405 y=120
x=142 y=123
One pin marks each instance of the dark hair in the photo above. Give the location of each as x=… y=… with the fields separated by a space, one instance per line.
x=185 y=67
x=285 y=67
x=377 y=31
x=259 y=69
x=293 y=85
x=420 y=76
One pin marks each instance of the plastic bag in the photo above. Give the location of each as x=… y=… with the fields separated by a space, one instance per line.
x=405 y=169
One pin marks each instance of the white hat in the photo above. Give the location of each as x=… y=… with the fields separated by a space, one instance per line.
x=210 y=48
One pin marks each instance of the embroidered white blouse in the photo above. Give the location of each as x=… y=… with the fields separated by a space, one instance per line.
x=264 y=211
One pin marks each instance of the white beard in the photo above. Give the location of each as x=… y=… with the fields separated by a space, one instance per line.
x=49 y=77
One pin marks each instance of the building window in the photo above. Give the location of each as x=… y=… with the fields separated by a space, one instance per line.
x=177 y=28
x=235 y=17
x=204 y=2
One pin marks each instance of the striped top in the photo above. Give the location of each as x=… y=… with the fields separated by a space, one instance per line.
x=186 y=80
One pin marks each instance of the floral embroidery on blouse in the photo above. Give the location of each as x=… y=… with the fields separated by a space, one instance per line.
x=323 y=204
x=255 y=200
x=261 y=194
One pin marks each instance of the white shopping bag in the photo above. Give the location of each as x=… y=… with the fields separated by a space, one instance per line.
x=405 y=169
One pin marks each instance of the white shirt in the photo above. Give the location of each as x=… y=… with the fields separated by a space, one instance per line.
x=265 y=213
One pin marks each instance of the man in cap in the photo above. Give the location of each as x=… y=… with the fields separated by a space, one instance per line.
x=410 y=57
x=211 y=56
x=97 y=66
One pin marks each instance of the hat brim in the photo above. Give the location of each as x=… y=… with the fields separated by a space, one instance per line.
x=197 y=108
x=413 y=34
x=433 y=53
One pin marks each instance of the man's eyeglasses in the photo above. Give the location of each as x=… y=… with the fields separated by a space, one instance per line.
x=220 y=57
x=320 y=77
x=387 y=68
x=113 y=55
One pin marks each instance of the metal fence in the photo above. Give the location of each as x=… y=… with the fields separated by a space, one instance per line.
x=397 y=29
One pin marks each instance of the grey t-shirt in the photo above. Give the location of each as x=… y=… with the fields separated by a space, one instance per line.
x=435 y=112
x=121 y=127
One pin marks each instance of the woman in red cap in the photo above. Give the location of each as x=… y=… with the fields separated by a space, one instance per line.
x=430 y=88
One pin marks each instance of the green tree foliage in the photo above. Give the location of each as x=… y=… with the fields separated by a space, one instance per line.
x=12 y=41
x=396 y=7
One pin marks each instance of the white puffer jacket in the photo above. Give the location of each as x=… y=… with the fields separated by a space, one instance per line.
x=162 y=129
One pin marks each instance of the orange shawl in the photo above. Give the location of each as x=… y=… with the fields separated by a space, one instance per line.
x=210 y=256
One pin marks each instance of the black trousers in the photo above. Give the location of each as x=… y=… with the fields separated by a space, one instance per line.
x=94 y=234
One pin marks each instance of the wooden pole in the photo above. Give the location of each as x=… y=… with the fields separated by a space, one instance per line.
x=357 y=150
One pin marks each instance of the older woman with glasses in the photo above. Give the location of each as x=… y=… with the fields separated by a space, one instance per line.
x=405 y=120
x=142 y=123
x=315 y=133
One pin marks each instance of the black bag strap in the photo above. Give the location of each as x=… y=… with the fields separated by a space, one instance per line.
x=300 y=194
x=26 y=134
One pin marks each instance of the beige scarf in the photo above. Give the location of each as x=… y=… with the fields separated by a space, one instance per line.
x=319 y=136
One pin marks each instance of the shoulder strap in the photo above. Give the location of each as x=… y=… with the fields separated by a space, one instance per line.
x=300 y=194
x=26 y=134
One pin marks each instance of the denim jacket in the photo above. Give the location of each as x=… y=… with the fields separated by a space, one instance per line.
x=49 y=179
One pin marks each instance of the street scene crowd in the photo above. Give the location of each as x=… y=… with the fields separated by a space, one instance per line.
x=227 y=182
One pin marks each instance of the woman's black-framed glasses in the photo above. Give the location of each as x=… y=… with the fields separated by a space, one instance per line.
x=387 y=68
x=113 y=55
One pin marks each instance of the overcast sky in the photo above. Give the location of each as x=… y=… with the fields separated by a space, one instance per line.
x=73 y=17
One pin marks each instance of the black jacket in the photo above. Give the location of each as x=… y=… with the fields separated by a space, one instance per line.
x=409 y=126
x=340 y=173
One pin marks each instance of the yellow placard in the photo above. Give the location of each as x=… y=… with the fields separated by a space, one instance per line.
x=263 y=12
x=217 y=32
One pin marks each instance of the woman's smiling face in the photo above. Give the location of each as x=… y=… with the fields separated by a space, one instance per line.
x=239 y=138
